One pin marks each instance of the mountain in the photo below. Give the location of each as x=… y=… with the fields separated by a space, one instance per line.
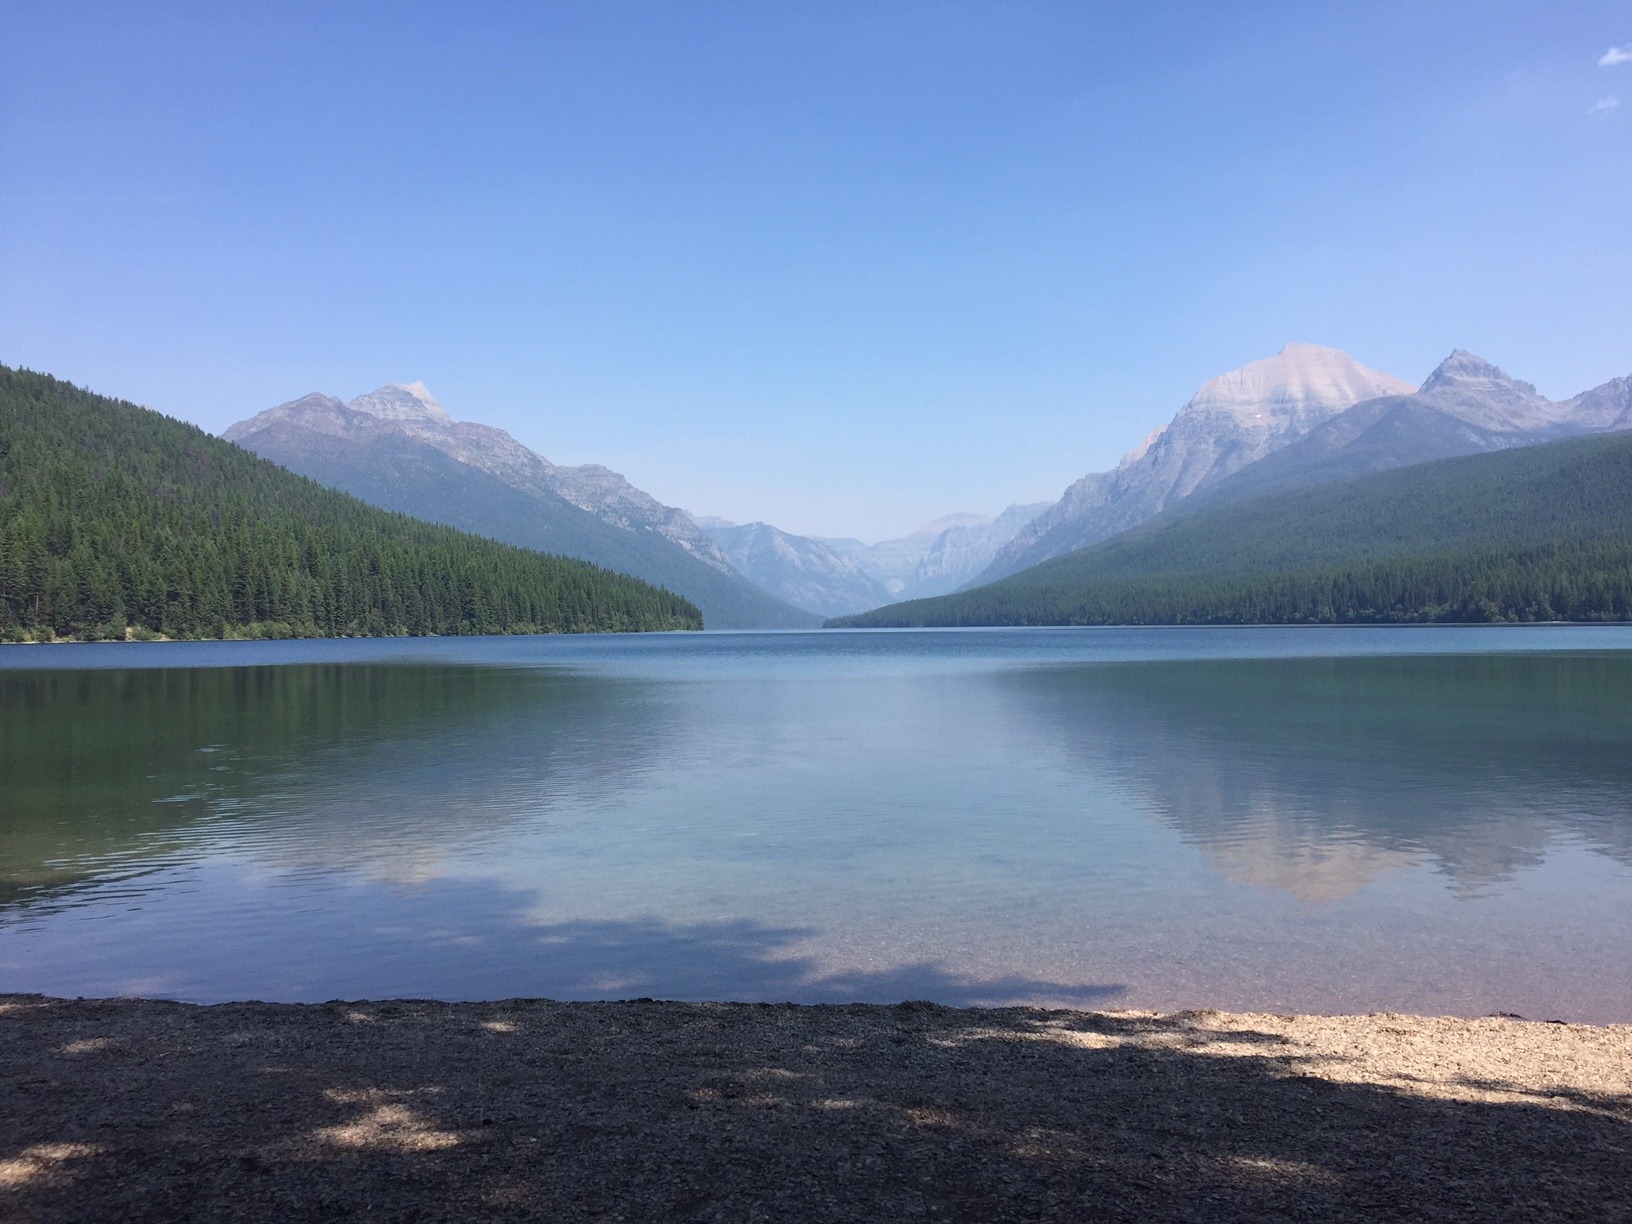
x=962 y=551
x=116 y=519
x=805 y=572
x=1605 y=407
x=926 y=560
x=1541 y=532
x=894 y=563
x=1232 y=421
x=1467 y=406
x=398 y=448
x=839 y=576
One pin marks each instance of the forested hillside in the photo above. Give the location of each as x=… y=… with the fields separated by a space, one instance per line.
x=113 y=517
x=1538 y=533
x=398 y=448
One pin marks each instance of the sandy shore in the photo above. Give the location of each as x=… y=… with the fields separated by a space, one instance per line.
x=129 y=1109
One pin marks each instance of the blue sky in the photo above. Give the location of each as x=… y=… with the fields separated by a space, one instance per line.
x=841 y=267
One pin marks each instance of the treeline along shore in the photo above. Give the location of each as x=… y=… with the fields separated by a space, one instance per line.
x=117 y=521
x=1537 y=533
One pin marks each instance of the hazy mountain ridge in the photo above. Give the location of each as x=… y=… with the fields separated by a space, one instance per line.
x=1281 y=424
x=1467 y=406
x=412 y=409
x=961 y=552
x=839 y=576
x=1230 y=422
x=903 y=562
x=1531 y=533
x=803 y=571
x=398 y=447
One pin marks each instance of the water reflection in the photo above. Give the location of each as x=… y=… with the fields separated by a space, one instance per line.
x=110 y=775
x=969 y=817
x=1319 y=775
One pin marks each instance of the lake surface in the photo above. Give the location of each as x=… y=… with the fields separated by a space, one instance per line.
x=1417 y=819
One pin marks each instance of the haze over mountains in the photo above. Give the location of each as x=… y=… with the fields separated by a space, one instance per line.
x=397 y=447
x=1306 y=416
x=804 y=572
x=1529 y=533
x=839 y=576
x=1231 y=421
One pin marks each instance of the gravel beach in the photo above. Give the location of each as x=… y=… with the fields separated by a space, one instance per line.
x=141 y=1110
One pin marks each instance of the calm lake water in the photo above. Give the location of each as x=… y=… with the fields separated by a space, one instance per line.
x=1421 y=819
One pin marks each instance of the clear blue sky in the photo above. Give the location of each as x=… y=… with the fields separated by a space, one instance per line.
x=842 y=267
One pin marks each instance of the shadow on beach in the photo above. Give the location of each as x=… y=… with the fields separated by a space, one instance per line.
x=671 y=1111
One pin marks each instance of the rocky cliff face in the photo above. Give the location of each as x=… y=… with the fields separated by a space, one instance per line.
x=1232 y=421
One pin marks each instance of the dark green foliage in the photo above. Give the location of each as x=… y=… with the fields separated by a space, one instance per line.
x=1539 y=533
x=114 y=517
x=415 y=478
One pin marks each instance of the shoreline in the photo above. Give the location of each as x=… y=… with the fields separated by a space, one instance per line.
x=129 y=1108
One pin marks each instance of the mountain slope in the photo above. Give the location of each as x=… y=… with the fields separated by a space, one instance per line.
x=114 y=517
x=835 y=577
x=1533 y=533
x=1466 y=407
x=805 y=572
x=398 y=448
x=1232 y=421
x=894 y=563
x=962 y=551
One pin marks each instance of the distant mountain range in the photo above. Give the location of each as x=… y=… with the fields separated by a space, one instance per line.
x=805 y=572
x=838 y=576
x=1306 y=416
x=398 y=448
x=1269 y=498
x=1531 y=533
x=961 y=552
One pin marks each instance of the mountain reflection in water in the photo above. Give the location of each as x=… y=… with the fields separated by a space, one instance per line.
x=326 y=767
x=1317 y=775
x=1291 y=820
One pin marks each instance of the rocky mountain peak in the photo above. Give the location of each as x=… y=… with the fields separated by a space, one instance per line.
x=1300 y=376
x=1233 y=420
x=316 y=411
x=1468 y=371
x=1471 y=389
x=402 y=402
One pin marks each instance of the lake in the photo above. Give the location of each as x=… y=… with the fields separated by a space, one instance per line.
x=1328 y=819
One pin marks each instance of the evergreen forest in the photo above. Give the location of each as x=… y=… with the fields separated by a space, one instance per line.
x=117 y=521
x=1537 y=533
